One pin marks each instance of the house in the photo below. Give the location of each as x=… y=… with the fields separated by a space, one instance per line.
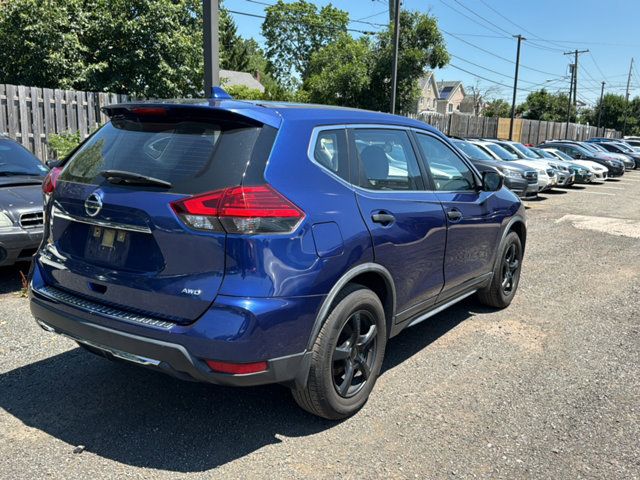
x=428 y=100
x=231 y=78
x=450 y=96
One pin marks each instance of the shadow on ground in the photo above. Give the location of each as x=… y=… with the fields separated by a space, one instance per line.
x=10 y=280
x=143 y=418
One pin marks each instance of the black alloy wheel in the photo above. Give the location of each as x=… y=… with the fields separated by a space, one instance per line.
x=355 y=354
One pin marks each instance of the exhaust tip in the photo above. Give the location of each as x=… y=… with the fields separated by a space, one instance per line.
x=46 y=327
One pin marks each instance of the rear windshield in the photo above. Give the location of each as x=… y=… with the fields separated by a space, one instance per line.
x=193 y=155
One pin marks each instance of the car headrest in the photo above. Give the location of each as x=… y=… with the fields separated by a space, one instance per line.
x=375 y=162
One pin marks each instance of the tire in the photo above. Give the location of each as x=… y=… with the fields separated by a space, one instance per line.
x=325 y=394
x=496 y=294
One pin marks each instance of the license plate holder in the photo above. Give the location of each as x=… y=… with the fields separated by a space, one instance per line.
x=108 y=245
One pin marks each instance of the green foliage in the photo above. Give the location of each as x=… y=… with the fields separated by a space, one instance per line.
x=40 y=42
x=421 y=47
x=294 y=31
x=357 y=73
x=234 y=50
x=242 y=92
x=145 y=48
x=63 y=143
x=546 y=106
x=497 y=108
x=613 y=110
x=340 y=73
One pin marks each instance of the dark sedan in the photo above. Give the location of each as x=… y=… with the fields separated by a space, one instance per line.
x=21 y=176
x=574 y=150
x=621 y=148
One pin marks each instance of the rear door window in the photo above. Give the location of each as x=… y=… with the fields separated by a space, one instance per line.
x=386 y=160
x=194 y=155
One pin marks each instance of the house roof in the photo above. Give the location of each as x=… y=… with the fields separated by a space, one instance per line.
x=426 y=78
x=445 y=89
x=231 y=77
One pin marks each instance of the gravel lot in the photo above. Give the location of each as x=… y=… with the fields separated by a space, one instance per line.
x=548 y=388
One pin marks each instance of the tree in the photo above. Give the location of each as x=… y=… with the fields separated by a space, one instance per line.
x=234 y=50
x=613 y=109
x=542 y=105
x=421 y=47
x=497 y=108
x=339 y=74
x=357 y=73
x=294 y=31
x=40 y=43
x=478 y=95
x=147 y=48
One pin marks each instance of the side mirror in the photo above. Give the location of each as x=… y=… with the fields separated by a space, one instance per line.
x=492 y=181
x=53 y=163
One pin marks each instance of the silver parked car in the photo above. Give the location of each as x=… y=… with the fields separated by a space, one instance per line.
x=21 y=176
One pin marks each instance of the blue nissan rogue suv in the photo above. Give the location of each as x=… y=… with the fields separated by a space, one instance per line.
x=245 y=243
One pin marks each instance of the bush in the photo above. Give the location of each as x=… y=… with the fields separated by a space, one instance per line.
x=61 y=144
x=242 y=92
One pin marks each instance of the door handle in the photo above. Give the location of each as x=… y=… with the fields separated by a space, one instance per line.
x=383 y=218
x=454 y=215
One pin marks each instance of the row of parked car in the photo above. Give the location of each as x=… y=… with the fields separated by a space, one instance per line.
x=529 y=170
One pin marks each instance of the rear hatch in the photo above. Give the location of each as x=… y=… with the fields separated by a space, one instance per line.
x=115 y=236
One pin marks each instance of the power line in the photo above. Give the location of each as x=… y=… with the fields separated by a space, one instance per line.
x=482 y=18
x=254 y=15
x=258 y=2
x=467 y=16
x=496 y=55
x=489 y=69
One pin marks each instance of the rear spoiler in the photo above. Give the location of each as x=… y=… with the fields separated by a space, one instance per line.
x=238 y=111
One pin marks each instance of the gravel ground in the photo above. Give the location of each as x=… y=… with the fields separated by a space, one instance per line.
x=548 y=388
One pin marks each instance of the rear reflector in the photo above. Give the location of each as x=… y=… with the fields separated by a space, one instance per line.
x=49 y=182
x=237 y=368
x=243 y=210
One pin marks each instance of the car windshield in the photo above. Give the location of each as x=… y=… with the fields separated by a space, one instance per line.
x=501 y=152
x=542 y=153
x=472 y=151
x=510 y=148
x=524 y=150
x=17 y=160
x=562 y=155
x=624 y=147
x=592 y=147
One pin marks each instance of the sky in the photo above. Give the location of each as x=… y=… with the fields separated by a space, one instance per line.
x=479 y=38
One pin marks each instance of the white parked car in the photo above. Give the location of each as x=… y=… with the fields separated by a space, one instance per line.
x=545 y=181
x=600 y=172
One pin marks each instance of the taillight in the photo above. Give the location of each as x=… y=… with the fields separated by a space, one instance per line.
x=49 y=182
x=244 y=210
x=237 y=368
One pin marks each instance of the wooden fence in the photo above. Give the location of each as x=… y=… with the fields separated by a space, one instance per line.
x=29 y=114
x=525 y=131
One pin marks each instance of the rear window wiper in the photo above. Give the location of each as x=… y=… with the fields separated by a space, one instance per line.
x=121 y=176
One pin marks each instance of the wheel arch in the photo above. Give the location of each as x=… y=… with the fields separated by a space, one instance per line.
x=371 y=275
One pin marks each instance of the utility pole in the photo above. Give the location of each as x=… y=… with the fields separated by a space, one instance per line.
x=211 y=46
x=600 y=105
x=515 y=86
x=626 y=100
x=574 y=84
x=396 y=43
x=572 y=68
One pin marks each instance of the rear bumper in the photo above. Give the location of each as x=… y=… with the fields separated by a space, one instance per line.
x=233 y=330
x=168 y=357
